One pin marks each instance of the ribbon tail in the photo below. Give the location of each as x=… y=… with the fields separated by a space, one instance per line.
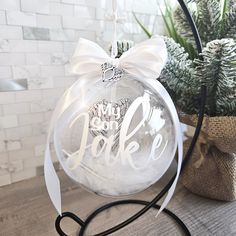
x=172 y=188
x=52 y=181
x=164 y=94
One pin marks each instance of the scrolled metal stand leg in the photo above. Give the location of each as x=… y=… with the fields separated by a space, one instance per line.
x=66 y=215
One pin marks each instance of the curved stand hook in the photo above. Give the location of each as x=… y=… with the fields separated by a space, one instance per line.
x=193 y=27
x=152 y=204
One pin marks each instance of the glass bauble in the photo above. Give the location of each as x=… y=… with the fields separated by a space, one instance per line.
x=116 y=137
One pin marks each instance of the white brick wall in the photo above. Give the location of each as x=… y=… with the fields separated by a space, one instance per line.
x=16 y=108
x=2 y=17
x=38 y=59
x=10 y=32
x=61 y=9
x=10 y=5
x=36 y=6
x=37 y=39
x=21 y=18
x=50 y=46
x=26 y=71
x=8 y=121
x=5 y=71
x=12 y=59
x=23 y=46
x=7 y=98
x=75 y=22
x=46 y=21
x=28 y=96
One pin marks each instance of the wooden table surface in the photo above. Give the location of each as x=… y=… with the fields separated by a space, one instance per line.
x=25 y=210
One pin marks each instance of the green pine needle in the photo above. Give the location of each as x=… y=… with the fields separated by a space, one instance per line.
x=142 y=26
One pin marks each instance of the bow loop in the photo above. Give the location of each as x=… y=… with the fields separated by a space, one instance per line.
x=146 y=59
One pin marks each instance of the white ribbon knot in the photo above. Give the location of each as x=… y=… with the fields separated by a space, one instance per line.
x=111 y=72
x=145 y=59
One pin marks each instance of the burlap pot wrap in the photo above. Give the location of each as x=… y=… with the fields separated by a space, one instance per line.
x=211 y=172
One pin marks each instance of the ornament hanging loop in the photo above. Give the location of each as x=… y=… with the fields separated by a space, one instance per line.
x=114 y=50
x=111 y=72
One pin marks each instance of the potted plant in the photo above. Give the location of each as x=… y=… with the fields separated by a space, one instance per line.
x=212 y=170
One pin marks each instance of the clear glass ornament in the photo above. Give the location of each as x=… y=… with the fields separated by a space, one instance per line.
x=116 y=137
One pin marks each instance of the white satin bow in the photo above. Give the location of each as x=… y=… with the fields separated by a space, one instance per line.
x=145 y=59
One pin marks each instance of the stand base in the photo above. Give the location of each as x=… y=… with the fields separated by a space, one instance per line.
x=84 y=224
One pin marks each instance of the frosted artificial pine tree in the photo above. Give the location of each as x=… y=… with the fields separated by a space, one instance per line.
x=215 y=19
x=179 y=78
x=183 y=77
x=123 y=46
x=218 y=73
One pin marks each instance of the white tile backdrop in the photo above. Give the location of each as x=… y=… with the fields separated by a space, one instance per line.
x=37 y=39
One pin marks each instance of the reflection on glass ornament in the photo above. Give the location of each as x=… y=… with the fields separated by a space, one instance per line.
x=117 y=137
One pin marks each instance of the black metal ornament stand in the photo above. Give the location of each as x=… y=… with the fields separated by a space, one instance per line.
x=152 y=204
